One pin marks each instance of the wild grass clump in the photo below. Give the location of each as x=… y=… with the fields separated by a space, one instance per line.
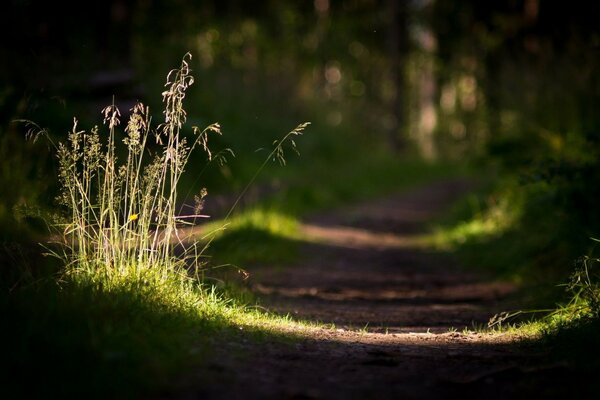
x=491 y=220
x=583 y=289
x=125 y=307
x=121 y=222
x=572 y=330
x=578 y=316
x=128 y=304
x=121 y=216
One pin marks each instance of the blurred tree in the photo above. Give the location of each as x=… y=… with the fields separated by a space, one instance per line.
x=449 y=78
x=398 y=48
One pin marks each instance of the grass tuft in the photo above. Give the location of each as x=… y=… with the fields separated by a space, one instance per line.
x=127 y=309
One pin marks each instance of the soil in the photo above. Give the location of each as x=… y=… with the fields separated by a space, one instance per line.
x=400 y=312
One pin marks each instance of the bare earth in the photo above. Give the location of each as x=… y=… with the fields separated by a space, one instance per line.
x=399 y=311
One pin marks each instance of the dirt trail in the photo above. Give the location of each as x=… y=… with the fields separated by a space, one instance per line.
x=366 y=268
x=362 y=266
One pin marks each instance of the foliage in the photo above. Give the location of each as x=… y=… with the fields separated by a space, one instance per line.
x=119 y=338
x=255 y=236
x=572 y=329
x=121 y=218
x=476 y=219
x=584 y=292
x=130 y=332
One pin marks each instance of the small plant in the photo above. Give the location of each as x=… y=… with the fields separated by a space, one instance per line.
x=585 y=286
x=128 y=291
x=584 y=291
x=122 y=215
x=364 y=329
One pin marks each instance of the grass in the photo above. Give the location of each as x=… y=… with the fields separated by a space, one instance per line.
x=80 y=338
x=568 y=333
x=126 y=304
x=253 y=237
x=492 y=220
x=513 y=231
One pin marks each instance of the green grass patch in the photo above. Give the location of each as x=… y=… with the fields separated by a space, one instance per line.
x=572 y=330
x=253 y=237
x=514 y=230
x=97 y=338
x=481 y=223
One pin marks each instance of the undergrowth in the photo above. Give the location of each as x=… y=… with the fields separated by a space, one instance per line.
x=579 y=317
x=518 y=230
x=570 y=330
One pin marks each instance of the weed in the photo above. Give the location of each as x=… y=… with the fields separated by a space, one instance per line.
x=121 y=217
x=584 y=292
x=277 y=154
x=582 y=308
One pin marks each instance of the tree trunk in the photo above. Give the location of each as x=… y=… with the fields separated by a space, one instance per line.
x=398 y=47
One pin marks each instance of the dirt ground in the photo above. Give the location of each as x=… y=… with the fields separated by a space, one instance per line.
x=399 y=311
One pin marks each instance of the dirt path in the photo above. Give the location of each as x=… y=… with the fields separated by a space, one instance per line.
x=366 y=268
x=363 y=266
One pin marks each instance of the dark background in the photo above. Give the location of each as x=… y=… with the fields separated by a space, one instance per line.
x=507 y=85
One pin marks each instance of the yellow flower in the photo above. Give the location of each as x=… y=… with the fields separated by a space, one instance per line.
x=133 y=217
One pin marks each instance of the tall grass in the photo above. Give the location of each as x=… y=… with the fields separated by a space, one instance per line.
x=583 y=289
x=121 y=223
x=127 y=306
x=122 y=215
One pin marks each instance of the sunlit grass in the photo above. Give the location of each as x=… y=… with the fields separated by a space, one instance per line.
x=129 y=303
x=254 y=236
x=270 y=221
x=134 y=331
x=496 y=234
x=482 y=223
